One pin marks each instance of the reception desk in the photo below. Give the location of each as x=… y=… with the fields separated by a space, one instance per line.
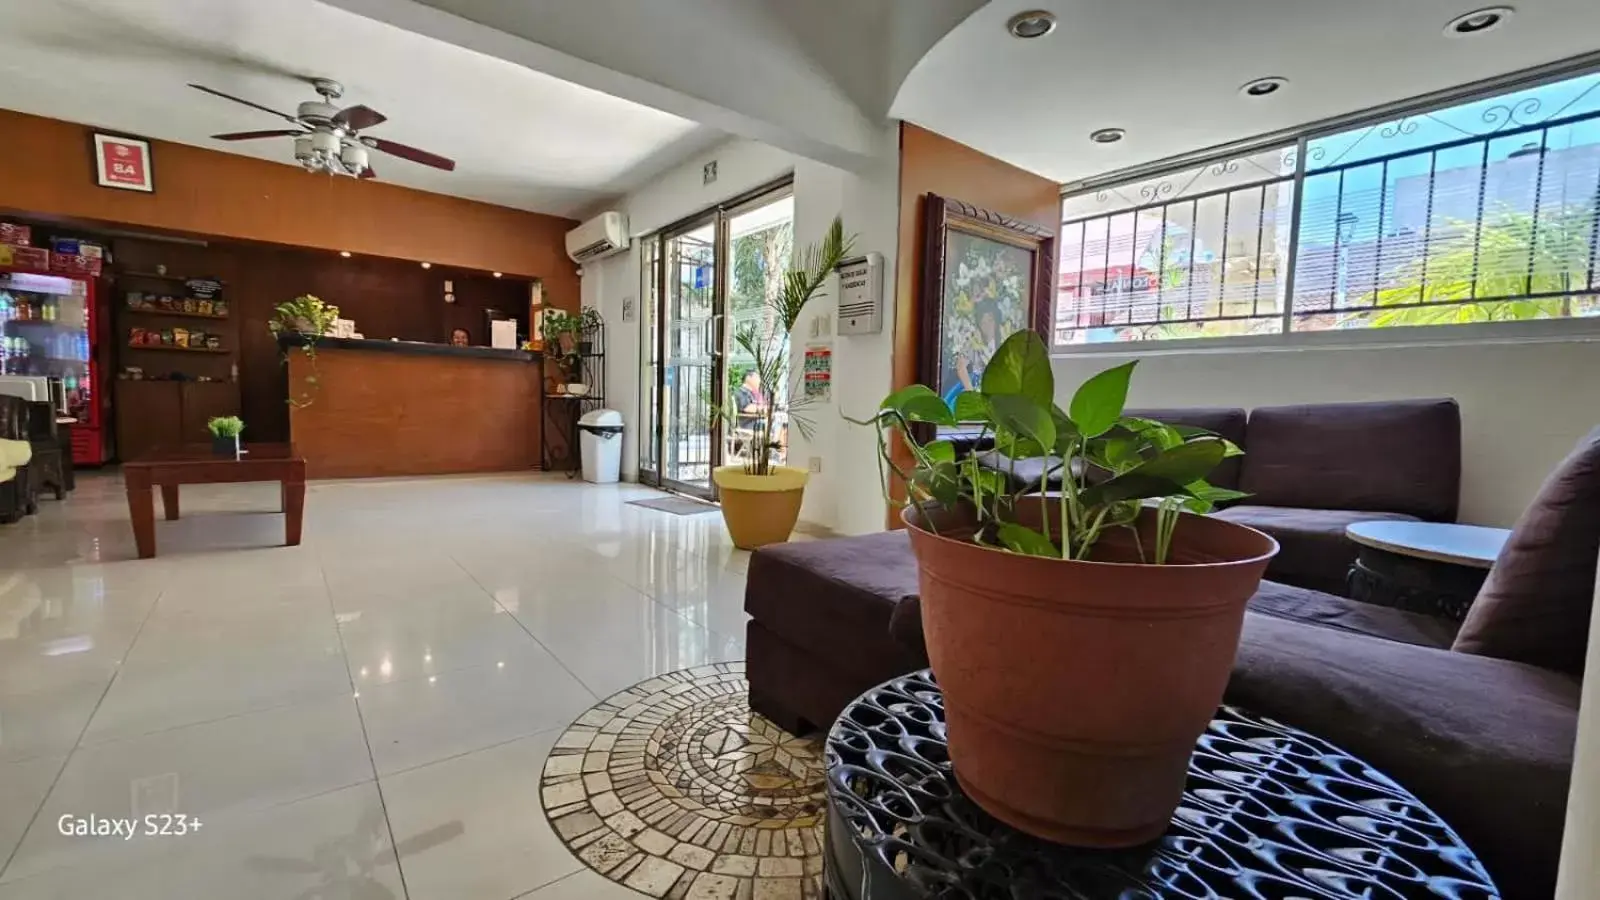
x=385 y=408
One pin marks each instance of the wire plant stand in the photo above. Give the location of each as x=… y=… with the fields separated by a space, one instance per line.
x=586 y=365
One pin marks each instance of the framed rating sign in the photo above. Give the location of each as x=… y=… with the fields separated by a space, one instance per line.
x=123 y=163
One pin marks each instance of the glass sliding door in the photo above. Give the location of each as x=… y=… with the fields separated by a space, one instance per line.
x=703 y=280
x=760 y=241
x=691 y=363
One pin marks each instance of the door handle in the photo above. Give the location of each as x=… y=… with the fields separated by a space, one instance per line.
x=714 y=344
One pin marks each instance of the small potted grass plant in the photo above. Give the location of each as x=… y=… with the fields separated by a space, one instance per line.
x=1082 y=637
x=225 y=431
x=760 y=498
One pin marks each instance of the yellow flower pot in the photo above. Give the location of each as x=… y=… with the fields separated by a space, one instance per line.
x=760 y=509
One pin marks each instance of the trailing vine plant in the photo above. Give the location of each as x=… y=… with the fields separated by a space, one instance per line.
x=310 y=318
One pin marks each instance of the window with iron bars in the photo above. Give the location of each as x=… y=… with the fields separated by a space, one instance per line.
x=1485 y=211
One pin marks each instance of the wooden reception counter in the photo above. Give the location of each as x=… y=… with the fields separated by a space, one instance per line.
x=384 y=408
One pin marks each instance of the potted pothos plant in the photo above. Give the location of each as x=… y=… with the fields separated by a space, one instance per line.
x=307 y=318
x=760 y=498
x=1082 y=637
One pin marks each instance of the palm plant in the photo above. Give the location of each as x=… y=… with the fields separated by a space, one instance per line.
x=767 y=348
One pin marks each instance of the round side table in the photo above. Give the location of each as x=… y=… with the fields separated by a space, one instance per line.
x=1426 y=567
x=1268 y=812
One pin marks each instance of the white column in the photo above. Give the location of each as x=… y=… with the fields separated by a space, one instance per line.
x=1580 y=863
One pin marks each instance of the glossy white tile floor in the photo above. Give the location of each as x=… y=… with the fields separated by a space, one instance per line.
x=364 y=716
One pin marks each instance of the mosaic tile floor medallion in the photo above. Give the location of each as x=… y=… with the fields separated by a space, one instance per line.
x=676 y=789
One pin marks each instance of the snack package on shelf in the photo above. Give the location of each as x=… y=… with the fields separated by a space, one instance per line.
x=180 y=337
x=16 y=235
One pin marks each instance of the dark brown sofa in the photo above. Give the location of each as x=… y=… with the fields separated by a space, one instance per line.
x=1312 y=470
x=1478 y=722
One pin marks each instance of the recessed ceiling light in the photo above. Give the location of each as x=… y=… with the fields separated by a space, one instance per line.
x=1261 y=87
x=496 y=274
x=1032 y=24
x=1479 y=21
x=1107 y=135
x=345 y=253
x=427 y=265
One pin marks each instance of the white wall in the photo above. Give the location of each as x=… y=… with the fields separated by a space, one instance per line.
x=845 y=496
x=1523 y=405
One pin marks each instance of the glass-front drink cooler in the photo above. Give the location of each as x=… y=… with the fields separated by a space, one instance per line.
x=47 y=330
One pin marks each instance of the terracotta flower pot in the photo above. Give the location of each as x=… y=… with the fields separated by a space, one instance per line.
x=1075 y=691
x=760 y=509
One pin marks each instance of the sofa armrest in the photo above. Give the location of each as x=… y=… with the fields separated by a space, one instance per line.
x=1484 y=742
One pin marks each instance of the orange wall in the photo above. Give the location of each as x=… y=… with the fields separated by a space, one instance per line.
x=46 y=168
x=932 y=163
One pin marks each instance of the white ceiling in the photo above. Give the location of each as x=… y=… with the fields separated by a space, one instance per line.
x=521 y=138
x=1169 y=71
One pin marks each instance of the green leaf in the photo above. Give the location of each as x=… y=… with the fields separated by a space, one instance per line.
x=1024 y=540
x=1066 y=432
x=1098 y=403
x=1201 y=490
x=1020 y=414
x=971 y=406
x=940 y=451
x=1133 y=485
x=1021 y=366
x=940 y=482
x=918 y=403
x=990 y=481
x=1186 y=463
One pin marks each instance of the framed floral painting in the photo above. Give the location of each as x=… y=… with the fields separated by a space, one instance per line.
x=984 y=277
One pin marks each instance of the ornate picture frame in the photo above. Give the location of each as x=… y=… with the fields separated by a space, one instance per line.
x=984 y=276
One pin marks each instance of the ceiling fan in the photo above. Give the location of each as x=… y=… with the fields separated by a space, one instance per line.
x=327 y=138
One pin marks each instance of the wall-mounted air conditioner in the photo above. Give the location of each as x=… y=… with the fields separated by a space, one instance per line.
x=602 y=236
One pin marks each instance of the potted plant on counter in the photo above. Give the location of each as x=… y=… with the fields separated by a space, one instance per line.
x=1082 y=638
x=307 y=317
x=225 y=431
x=761 y=499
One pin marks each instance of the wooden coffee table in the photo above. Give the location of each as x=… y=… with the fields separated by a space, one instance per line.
x=1429 y=567
x=196 y=465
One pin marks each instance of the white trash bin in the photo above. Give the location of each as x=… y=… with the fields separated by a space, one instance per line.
x=600 y=445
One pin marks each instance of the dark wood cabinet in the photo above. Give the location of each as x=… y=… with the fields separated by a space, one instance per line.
x=156 y=414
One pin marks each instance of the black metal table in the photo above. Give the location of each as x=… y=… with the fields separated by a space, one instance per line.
x=1269 y=812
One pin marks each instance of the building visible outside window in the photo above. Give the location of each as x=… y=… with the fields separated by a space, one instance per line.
x=1480 y=212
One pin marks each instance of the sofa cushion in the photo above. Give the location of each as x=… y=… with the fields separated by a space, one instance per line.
x=1224 y=421
x=1535 y=605
x=14 y=453
x=1486 y=743
x=1312 y=549
x=834 y=598
x=1310 y=607
x=1399 y=456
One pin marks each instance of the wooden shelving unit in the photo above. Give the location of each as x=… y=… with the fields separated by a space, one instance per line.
x=173 y=313
x=163 y=348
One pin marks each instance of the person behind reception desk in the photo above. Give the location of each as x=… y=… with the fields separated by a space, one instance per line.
x=460 y=338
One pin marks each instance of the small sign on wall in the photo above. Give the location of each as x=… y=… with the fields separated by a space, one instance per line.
x=861 y=294
x=819 y=373
x=123 y=163
x=708 y=174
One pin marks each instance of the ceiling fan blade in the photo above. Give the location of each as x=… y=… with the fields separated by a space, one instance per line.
x=355 y=118
x=216 y=93
x=411 y=153
x=368 y=173
x=252 y=135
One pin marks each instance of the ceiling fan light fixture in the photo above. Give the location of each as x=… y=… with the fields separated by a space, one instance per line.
x=1035 y=23
x=1478 y=21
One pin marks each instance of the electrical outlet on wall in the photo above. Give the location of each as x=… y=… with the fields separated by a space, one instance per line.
x=814 y=464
